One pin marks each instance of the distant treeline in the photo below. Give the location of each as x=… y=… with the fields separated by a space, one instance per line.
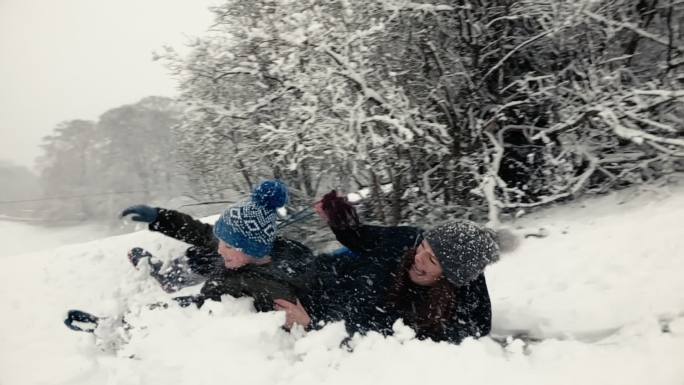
x=90 y=170
x=17 y=185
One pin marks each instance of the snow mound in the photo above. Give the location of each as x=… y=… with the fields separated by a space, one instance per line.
x=602 y=291
x=21 y=238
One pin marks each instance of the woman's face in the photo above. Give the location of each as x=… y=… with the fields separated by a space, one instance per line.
x=233 y=258
x=426 y=270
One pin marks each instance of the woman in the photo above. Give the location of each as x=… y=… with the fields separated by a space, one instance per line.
x=432 y=280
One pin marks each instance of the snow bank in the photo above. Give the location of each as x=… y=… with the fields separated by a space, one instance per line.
x=607 y=263
x=599 y=290
x=21 y=238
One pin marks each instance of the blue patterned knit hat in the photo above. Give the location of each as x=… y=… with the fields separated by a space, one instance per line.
x=251 y=225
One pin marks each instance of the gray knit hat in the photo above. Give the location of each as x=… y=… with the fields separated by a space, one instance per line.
x=464 y=249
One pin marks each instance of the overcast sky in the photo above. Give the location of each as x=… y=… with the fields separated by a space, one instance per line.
x=75 y=59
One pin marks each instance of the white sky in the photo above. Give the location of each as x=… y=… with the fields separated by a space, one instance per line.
x=75 y=59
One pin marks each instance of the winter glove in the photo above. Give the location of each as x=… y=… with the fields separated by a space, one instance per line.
x=337 y=211
x=141 y=213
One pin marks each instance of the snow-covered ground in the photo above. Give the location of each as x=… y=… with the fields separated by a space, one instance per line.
x=20 y=238
x=604 y=291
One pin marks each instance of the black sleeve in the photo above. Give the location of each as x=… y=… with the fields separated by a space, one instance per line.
x=248 y=282
x=473 y=316
x=212 y=289
x=228 y=283
x=266 y=291
x=184 y=228
x=378 y=240
x=290 y=255
x=288 y=247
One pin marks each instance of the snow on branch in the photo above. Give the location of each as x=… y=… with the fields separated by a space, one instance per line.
x=353 y=76
x=670 y=94
x=236 y=71
x=490 y=181
x=650 y=122
x=401 y=128
x=413 y=6
x=576 y=185
x=588 y=112
x=511 y=52
x=635 y=135
x=241 y=114
x=593 y=110
x=664 y=149
x=625 y=25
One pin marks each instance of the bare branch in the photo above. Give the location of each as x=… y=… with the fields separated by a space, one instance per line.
x=625 y=25
x=589 y=112
x=237 y=71
x=412 y=6
x=514 y=50
x=664 y=149
x=637 y=136
x=574 y=189
x=491 y=180
x=650 y=122
x=670 y=94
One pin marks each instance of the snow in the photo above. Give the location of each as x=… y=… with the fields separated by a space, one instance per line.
x=356 y=197
x=598 y=289
x=20 y=238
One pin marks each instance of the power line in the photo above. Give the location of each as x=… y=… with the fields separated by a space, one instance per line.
x=65 y=197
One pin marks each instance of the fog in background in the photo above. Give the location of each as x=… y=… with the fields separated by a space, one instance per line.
x=71 y=60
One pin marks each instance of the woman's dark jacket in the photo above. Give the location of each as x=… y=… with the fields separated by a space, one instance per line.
x=355 y=289
x=264 y=283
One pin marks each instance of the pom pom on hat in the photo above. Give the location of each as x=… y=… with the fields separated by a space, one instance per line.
x=270 y=194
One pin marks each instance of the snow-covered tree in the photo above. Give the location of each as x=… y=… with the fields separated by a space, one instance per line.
x=441 y=108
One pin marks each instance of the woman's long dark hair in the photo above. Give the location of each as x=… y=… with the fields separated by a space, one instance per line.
x=426 y=317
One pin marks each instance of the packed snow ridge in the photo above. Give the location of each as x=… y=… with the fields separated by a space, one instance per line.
x=596 y=287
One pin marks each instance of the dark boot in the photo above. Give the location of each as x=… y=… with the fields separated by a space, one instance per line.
x=175 y=276
x=81 y=321
x=138 y=253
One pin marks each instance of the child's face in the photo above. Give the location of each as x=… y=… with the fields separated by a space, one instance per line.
x=233 y=258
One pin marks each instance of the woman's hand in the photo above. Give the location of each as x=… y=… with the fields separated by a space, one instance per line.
x=294 y=313
x=318 y=207
x=337 y=211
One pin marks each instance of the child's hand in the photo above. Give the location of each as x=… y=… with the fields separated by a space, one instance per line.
x=294 y=313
